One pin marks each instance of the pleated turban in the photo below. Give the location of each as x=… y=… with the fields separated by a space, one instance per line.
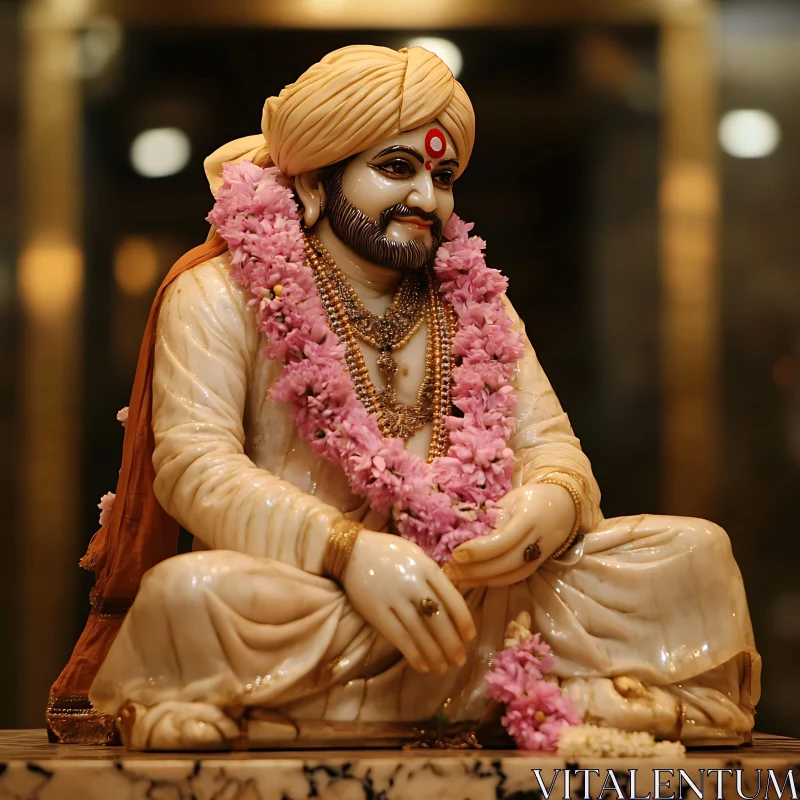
x=352 y=100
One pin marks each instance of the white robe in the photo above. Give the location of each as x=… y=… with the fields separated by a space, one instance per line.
x=247 y=620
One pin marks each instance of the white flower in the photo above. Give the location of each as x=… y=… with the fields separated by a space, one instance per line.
x=591 y=741
x=518 y=630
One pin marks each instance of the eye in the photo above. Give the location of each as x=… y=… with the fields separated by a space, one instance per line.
x=445 y=179
x=396 y=168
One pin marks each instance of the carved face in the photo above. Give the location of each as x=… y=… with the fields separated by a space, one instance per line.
x=390 y=203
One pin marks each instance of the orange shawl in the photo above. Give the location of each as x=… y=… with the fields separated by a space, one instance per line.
x=139 y=535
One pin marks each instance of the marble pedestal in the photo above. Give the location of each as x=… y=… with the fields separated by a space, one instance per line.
x=32 y=769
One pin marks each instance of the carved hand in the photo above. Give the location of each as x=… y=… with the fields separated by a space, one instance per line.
x=537 y=514
x=386 y=580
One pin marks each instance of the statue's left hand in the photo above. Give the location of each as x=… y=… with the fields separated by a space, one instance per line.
x=536 y=515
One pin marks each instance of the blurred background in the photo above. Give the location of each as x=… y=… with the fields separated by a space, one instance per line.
x=636 y=174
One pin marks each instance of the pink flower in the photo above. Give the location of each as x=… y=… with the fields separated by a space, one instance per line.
x=122 y=416
x=535 y=723
x=536 y=709
x=513 y=668
x=456 y=228
x=478 y=285
x=106 y=506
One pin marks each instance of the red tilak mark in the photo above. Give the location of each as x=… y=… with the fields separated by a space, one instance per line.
x=428 y=166
x=435 y=144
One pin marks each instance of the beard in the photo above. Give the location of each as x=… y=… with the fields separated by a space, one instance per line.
x=367 y=237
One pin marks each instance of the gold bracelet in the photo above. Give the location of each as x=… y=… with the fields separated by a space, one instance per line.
x=563 y=471
x=339 y=548
x=576 y=499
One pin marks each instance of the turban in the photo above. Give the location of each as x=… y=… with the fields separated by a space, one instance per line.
x=352 y=100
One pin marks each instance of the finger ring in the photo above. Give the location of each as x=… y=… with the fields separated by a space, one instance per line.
x=532 y=552
x=428 y=607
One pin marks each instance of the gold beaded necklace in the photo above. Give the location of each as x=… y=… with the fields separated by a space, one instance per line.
x=395 y=420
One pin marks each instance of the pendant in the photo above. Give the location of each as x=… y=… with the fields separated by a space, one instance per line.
x=399 y=421
x=402 y=422
x=386 y=364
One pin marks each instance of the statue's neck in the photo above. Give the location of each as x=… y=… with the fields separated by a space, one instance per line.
x=371 y=281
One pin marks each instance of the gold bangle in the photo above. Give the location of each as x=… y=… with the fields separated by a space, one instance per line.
x=576 y=499
x=563 y=471
x=339 y=548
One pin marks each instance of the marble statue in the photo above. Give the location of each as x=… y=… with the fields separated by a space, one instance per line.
x=301 y=616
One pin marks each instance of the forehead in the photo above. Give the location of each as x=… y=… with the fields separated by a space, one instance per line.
x=416 y=138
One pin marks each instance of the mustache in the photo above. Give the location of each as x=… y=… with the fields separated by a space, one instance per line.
x=402 y=210
x=367 y=236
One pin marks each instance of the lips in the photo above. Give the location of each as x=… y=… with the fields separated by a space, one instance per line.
x=415 y=222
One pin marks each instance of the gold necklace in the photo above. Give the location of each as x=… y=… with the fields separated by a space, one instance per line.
x=396 y=327
x=395 y=420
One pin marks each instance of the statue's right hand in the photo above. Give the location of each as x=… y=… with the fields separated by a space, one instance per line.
x=386 y=580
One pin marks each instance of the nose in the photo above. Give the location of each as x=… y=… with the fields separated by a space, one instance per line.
x=422 y=194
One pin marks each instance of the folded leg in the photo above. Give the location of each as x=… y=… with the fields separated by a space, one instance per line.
x=649 y=624
x=223 y=630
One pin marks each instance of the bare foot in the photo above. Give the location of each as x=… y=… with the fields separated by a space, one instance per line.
x=174 y=725
x=625 y=703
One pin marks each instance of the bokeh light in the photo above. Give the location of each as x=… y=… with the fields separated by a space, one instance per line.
x=100 y=43
x=159 y=152
x=135 y=265
x=749 y=133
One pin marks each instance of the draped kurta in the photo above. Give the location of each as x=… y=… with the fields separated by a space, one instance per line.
x=249 y=620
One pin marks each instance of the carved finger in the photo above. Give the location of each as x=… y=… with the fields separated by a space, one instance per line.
x=417 y=627
x=517 y=575
x=454 y=604
x=484 y=548
x=395 y=631
x=444 y=631
x=509 y=561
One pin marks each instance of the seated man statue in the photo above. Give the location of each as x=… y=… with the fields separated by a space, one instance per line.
x=336 y=399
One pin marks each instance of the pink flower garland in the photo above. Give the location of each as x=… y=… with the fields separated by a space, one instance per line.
x=536 y=710
x=437 y=505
